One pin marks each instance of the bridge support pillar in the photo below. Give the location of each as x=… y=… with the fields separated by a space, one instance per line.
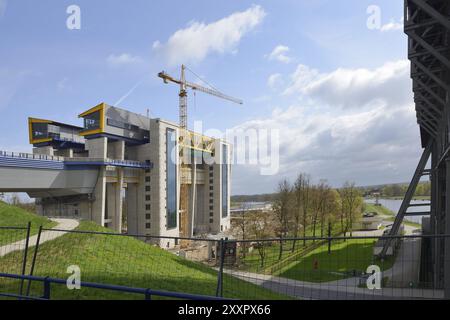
x=99 y=204
x=447 y=232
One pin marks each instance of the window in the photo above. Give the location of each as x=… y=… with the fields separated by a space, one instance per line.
x=211 y=220
x=211 y=207
x=211 y=214
x=224 y=181
x=147 y=188
x=39 y=130
x=211 y=194
x=122 y=125
x=147 y=197
x=148 y=216
x=147 y=225
x=92 y=121
x=147 y=179
x=171 y=179
x=147 y=207
x=211 y=200
x=211 y=188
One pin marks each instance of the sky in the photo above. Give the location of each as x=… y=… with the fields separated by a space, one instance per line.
x=335 y=88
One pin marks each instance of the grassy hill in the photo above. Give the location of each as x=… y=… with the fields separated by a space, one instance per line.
x=12 y=216
x=126 y=261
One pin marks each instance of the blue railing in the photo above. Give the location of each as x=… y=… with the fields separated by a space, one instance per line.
x=10 y=160
x=147 y=293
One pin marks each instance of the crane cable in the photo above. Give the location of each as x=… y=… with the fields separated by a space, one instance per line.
x=201 y=79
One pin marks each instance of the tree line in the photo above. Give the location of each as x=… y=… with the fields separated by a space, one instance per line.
x=302 y=209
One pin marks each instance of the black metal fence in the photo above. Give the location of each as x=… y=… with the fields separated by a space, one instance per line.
x=301 y=268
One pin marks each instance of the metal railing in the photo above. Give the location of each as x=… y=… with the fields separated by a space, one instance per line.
x=22 y=155
x=76 y=160
x=327 y=267
x=146 y=292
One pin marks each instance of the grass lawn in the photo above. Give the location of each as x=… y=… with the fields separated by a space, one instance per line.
x=126 y=261
x=370 y=207
x=12 y=216
x=385 y=211
x=252 y=260
x=345 y=258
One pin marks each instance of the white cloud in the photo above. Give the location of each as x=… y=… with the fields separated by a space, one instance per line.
x=392 y=26
x=275 y=80
x=372 y=145
x=279 y=53
x=62 y=84
x=350 y=88
x=197 y=40
x=123 y=59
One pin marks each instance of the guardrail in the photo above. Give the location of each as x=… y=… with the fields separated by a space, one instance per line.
x=148 y=293
x=107 y=161
x=77 y=160
x=326 y=267
x=23 y=155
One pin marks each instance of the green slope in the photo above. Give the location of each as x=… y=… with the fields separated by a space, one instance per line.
x=11 y=216
x=126 y=261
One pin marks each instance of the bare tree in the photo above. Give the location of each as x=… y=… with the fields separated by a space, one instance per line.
x=282 y=210
x=351 y=202
x=332 y=207
x=259 y=226
x=325 y=208
x=242 y=226
x=302 y=189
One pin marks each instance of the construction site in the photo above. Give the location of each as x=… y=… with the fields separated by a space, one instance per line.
x=127 y=172
x=143 y=205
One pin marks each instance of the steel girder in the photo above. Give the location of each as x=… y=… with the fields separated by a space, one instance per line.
x=427 y=24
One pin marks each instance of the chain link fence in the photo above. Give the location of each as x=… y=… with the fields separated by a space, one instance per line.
x=302 y=268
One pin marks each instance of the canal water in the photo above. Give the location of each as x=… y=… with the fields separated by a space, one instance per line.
x=394 y=205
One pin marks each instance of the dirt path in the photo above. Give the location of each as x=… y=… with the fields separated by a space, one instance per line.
x=63 y=224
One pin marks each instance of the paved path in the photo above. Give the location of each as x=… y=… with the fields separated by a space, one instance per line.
x=63 y=224
x=405 y=268
x=346 y=289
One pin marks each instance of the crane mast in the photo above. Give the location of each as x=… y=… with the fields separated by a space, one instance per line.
x=186 y=144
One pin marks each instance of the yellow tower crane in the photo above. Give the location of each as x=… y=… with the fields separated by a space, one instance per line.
x=185 y=143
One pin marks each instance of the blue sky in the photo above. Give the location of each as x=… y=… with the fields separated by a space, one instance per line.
x=337 y=90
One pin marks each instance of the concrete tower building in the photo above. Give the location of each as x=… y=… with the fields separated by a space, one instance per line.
x=123 y=171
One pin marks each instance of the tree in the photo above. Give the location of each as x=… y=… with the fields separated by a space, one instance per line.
x=241 y=224
x=351 y=202
x=259 y=226
x=282 y=210
x=326 y=205
x=302 y=197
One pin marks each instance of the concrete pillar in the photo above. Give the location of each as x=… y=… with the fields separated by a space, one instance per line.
x=115 y=204
x=98 y=205
x=48 y=151
x=132 y=209
x=68 y=153
x=119 y=150
x=97 y=147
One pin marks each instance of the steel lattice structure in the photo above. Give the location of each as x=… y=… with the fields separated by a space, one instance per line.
x=427 y=24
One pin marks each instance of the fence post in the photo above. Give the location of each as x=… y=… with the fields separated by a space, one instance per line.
x=33 y=262
x=47 y=289
x=329 y=237
x=25 y=253
x=148 y=294
x=219 y=290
